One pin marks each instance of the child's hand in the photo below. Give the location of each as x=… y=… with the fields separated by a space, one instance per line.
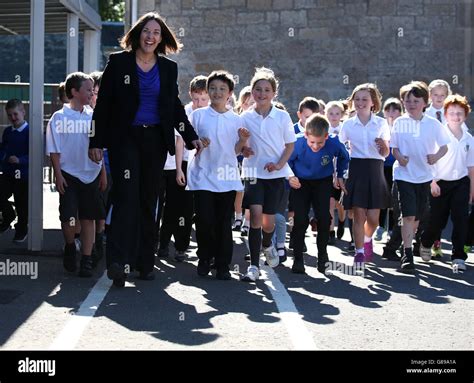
x=294 y=182
x=61 y=183
x=180 y=178
x=96 y=155
x=432 y=158
x=403 y=161
x=435 y=189
x=381 y=146
x=247 y=151
x=271 y=167
x=244 y=134
x=198 y=146
x=13 y=160
x=341 y=185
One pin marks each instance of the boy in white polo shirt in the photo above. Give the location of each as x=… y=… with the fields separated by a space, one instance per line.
x=453 y=186
x=272 y=140
x=214 y=175
x=78 y=179
x=418 y=142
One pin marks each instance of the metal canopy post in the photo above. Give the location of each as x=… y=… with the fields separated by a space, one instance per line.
x=36 y=155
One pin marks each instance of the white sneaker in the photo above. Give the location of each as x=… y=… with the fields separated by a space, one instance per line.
x=459 y=264
x=271 y=256
x=425 y=253
x=252 y=274
x=379 y=233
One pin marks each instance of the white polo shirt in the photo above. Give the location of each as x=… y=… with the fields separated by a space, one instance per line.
x=416 y=139
x=453 y=165
x=68 y=133
x=215 y=168
x=268 y=137
x=362 y=137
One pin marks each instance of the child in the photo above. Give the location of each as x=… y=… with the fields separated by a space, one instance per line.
x=241 y=223
x=272 y=140
x=14 y=180
x=214 y=175
x=306 y=108
x=453 y=185
x=78 y=179
x=439 y=90
x=198 y=94
x=312 y=162
x=335 y=113
x=367 y=190
x=418 y=142
x=99 y=242
x=392 y=109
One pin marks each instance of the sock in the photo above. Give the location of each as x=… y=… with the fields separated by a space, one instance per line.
x=360 y=250
x=367 y=239
x=255 y=240
x=267 y=238
x=341 y=223
x=238 y=216
x=281 y=251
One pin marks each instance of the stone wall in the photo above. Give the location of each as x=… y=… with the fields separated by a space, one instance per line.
x=324 y=48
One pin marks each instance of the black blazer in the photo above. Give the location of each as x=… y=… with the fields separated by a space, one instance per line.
x=118 y=99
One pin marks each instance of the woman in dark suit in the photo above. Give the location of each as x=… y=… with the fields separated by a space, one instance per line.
x=137 y=112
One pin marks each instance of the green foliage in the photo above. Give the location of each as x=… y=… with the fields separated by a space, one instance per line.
x=112 y=10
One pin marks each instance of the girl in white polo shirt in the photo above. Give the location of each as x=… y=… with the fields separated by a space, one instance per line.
x=367 y=190
x=453 y=186
x=272 y=139
x=214 y=175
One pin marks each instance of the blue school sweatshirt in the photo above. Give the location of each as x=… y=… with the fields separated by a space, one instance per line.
x=309 y=165
x=15 y=143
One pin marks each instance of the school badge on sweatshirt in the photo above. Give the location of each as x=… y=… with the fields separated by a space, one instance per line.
x=325 y=160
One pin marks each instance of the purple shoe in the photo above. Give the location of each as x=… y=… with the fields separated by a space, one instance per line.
x=358 y=259
x=368 y=251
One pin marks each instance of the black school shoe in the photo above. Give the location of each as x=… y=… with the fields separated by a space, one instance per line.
x=203 y=267
x=223 y=274
x=340 y=230
x=298 y=266
x=322 y=260
x=85 y=269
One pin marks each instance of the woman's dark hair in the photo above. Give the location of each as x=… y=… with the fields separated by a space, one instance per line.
x=169 y=43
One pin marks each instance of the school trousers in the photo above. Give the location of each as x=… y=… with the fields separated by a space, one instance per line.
x=454 y=200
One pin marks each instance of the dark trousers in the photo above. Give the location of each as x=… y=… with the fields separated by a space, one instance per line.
x=214 y=213
x=136 y=166
x=395 y=240
x=19 y=188
x=177 y=211
x=470 y=234
x=387 y=170
x=315 y=193
x=454 y=199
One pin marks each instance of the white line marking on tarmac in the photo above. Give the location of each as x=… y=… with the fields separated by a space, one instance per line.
x=300 y=336
x=72 y=331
